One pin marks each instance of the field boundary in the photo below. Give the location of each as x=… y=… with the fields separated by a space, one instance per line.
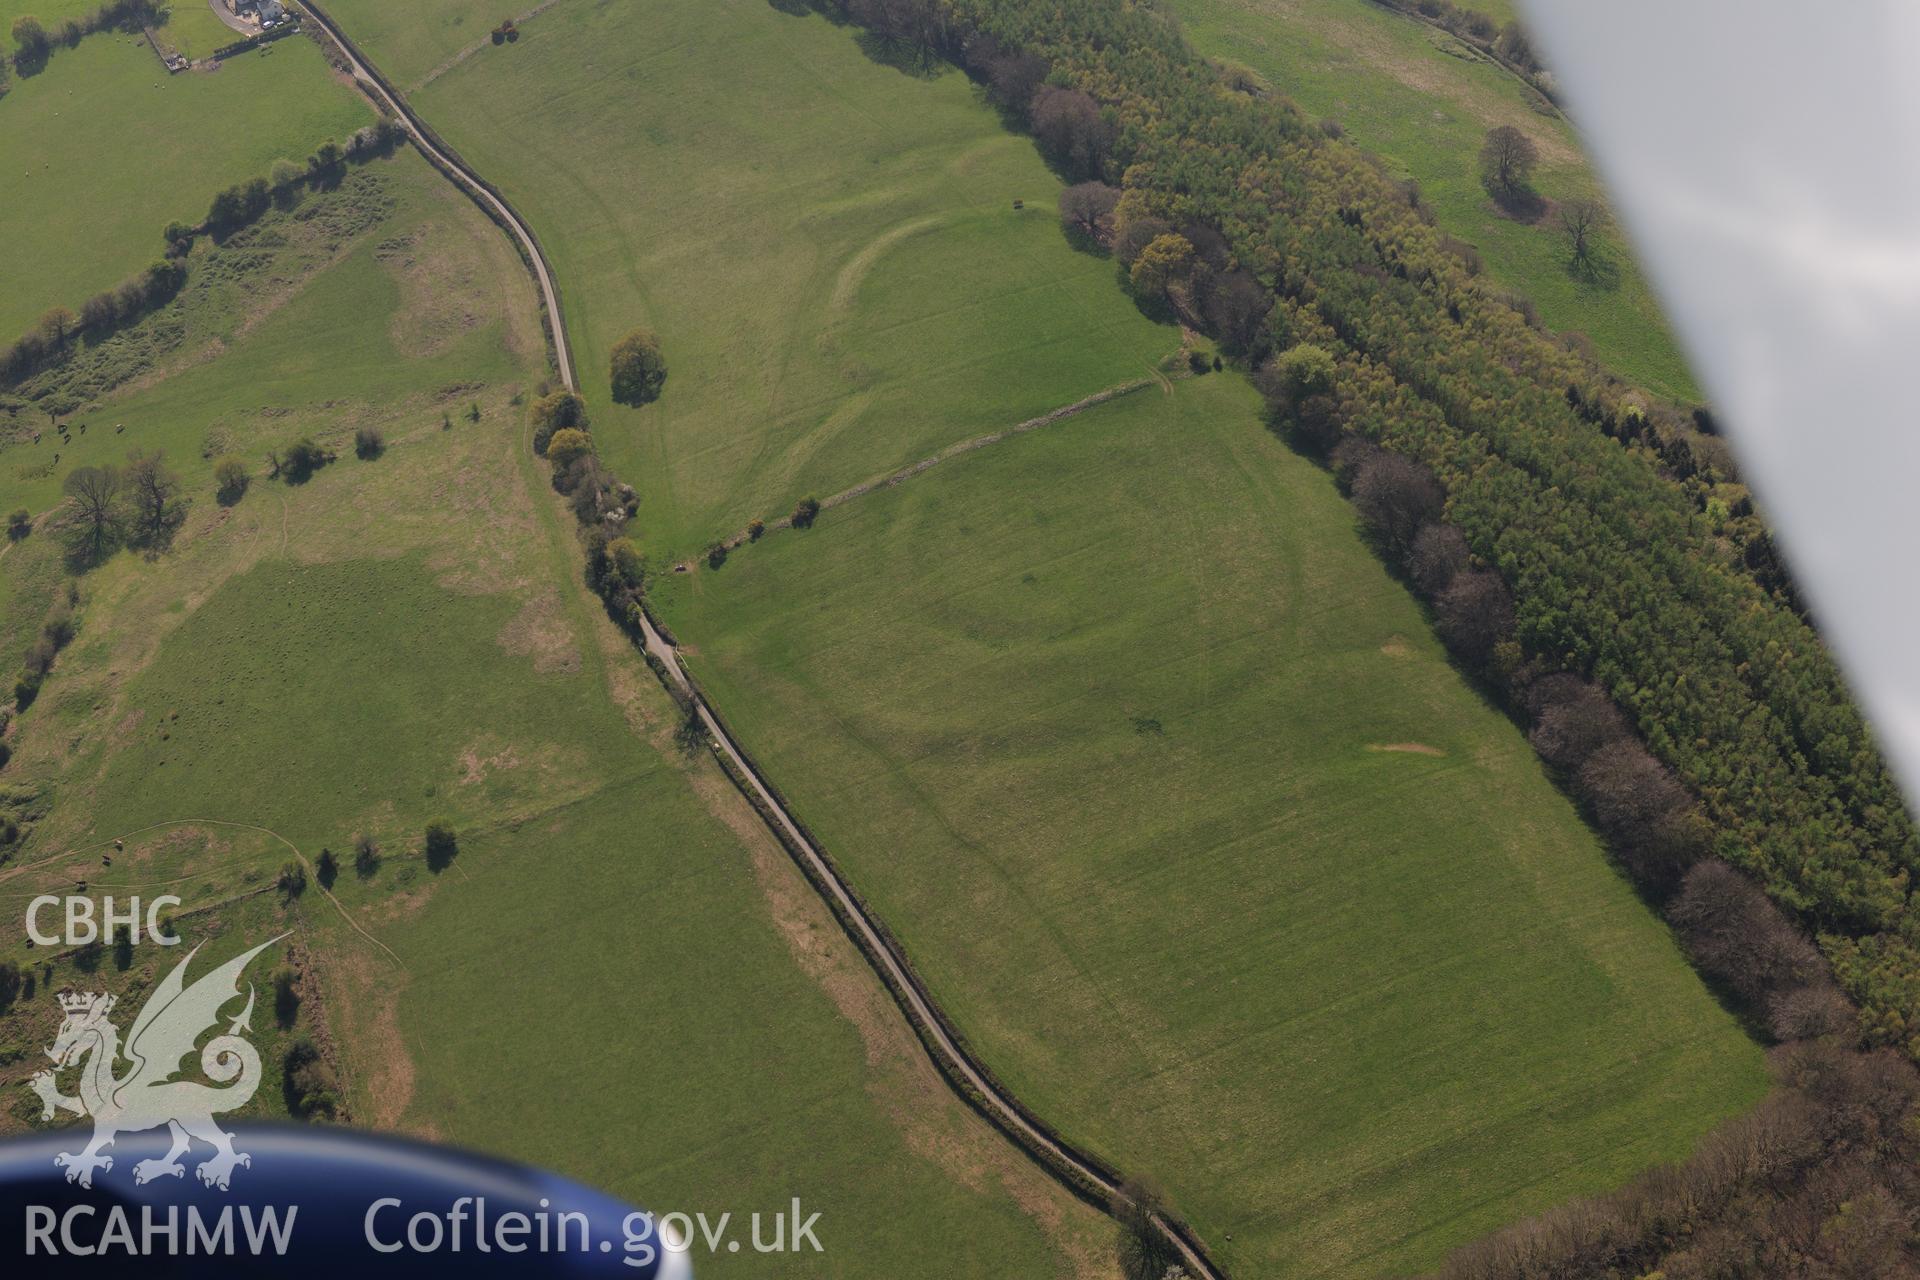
x=1086 y=1175
x=912 y=469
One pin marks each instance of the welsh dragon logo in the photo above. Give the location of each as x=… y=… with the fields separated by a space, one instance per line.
x=146 y=1095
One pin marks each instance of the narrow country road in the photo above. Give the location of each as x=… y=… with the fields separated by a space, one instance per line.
x=448 y=161
x=1080 y=1172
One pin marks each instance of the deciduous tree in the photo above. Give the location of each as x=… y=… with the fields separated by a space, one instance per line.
x=1145 y=1253
x=95 y=492
x=624 y=558
x=1396 y=496
x=916 y=27
x=1474 y=614
x=1515 y=46
x=554 y=412
x=1162 y=264
x=366 y=855
x=154 y=505
x=302 y=458
x=1572 y=720
x=231 y=476
x=31 y=44
x=1582 y=219
x=1071 y=131
x=1087 y=209
x=639 y=370
x=1506 y=161
x=1236 y=310
x=568 y=444
x=57 y=325
x=1740 y=937
x=1437 y=556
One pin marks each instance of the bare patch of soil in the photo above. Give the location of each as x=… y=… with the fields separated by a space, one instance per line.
x=539 y=631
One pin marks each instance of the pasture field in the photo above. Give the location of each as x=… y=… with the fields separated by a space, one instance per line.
x=618 y=975
x=100 y=151
x=1423 y=101
x=418 y=42
x=194 y=30
x=827 y=246
x=1182 y=812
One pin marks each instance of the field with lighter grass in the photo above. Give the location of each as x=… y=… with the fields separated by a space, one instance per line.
x=1423 y=101
x=102 y=149
x=1182 y=811
x=617 y=975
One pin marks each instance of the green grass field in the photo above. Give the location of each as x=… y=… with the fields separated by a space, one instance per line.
x=828 y=247
x=195 y=31
x=1424 y=101
x=103 y=149
x=618 y=975
x=416 y=40
x=1182 y=811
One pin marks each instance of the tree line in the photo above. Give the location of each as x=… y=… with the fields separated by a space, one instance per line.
x=1584 y=553
x=52 y=337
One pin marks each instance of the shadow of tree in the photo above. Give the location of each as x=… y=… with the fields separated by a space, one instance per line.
x=1080 y=240
x=904 y=56
x=1596 y=269
x=1522 y=204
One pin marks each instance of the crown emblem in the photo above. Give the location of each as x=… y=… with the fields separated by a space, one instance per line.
x=85 y=1002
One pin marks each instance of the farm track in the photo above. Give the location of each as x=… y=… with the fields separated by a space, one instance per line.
x=903 y=474
x=1085 y=1175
